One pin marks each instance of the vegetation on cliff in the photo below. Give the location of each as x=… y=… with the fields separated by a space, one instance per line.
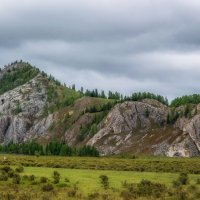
x=17 y=76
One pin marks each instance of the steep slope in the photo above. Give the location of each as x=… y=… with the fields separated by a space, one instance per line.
x=35 y=106
x=28 y=102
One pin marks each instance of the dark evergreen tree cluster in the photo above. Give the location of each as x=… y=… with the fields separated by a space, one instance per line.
x=187 y=99
x=138 y=96
x=91 y=128
x=172 y=116
x=104 y=107
x=119 y=97
x=28 y=148
x=53 y=148
x=115 y=95
x=94 y=93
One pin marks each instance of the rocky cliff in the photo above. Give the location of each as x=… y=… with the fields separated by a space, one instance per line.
x=21 y=110
x=41 y=109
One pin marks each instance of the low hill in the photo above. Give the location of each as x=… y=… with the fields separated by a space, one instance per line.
x=36 y=107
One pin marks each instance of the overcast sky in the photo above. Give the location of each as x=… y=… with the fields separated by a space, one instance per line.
x=123 y=45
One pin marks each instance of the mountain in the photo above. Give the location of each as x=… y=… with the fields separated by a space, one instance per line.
x=36 y=107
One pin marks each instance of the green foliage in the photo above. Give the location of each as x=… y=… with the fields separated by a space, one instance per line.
x=28 y=148
x=16 y=179
x=56 y=177
x=6 y=169
x=31 y=177
x=53 y=148
x=172 y=116
x=104 y=181
x=3 y=177
x=146 y=95
x=184 y=100
x=102 y=108
x=95 y=93
x=43 y=179
x=88 y=151
x=183 y=179
x=92 y=127
x=60 y=97
x=147 y=188
x=19 y=169
x=17 y=76
x=198 y=181
x=18 y=109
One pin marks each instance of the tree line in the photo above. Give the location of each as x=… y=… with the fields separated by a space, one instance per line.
x=187 y=99
x=137 y=96
x=52 y=148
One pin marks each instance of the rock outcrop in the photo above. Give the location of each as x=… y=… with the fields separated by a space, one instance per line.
x=126 y=120
x=189 y=143
x=20 y=110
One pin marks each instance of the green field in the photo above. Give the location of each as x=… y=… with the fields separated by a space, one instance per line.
x=89 y=179
x=80 y=178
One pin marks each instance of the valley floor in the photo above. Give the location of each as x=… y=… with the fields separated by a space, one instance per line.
x=79 y=179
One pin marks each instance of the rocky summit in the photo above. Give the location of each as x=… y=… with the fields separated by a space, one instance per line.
x=36 y=107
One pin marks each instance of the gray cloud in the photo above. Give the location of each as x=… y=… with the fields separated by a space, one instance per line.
x=121 y=45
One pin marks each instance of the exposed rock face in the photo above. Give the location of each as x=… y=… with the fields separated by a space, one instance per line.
x=183 y=147
x=20 y=109
x=124 y=121
x=189 y=144
x=40 y=128
x=129 y=125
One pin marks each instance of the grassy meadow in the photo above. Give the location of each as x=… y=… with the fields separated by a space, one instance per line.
x=45 y=178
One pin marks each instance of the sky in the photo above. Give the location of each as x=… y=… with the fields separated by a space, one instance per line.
x=119 y=45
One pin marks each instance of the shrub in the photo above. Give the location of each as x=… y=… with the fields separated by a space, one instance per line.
x=176 y=184
x=25 y=177
x=61 y=185
x=6 y=169
x=104 y=181
x=183 y=179
x=147 y=188
x=48 y=187
x=11 y=173
x=34 y=183
x=31 y=178
x=56 y=173
x=3 y=177
x=67 y=180
x=56 y=177
x=43 y=179
x=16 y=179
x=19 y=169
x=198 y=181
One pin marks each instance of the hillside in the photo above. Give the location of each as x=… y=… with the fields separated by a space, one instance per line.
x=36 y=107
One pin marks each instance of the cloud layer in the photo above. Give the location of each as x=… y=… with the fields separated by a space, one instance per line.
x=123 y=45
